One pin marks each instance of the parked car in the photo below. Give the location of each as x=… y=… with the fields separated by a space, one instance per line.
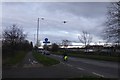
x=47 y=52
x=39 y=51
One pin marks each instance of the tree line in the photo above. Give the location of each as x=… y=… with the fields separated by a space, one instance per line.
x=14 y=40
x=112 y=24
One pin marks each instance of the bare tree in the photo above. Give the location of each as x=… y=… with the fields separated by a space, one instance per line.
x=65 y=43
x=112 y=29
x=85 y=38
x=13 y=40
x=13 y=34
x=55 y=47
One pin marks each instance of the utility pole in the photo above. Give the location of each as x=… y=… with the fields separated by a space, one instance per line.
x=37 y=31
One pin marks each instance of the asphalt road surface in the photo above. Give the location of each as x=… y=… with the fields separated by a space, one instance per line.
x=105 y=69
x=75 y=67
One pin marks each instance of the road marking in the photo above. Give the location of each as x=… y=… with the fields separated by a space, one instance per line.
x=72 y=66
x=31 y=62
x=69 y=65
x=52 y=55
x=80 y=68
x=35 y=62
x=56 y=55
x=98 y=74
x=29 y=59
x=62 y=63
x=59 y=56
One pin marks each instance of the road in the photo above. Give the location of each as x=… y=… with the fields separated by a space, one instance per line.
x=75 y=67
x=105 y=69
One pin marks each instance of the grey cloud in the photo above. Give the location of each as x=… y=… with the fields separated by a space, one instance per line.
x=79 y=16
x=86 y=9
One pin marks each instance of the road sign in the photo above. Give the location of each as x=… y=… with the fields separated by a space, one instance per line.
x=46 y=41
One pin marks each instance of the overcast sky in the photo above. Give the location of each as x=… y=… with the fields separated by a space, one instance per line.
x=87 y=16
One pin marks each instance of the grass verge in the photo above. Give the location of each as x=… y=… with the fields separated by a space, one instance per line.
x=13 y=60
x=96 y=57
x=46 y=61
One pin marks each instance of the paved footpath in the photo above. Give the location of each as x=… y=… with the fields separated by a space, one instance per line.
x=30 y=68
x=29 y=61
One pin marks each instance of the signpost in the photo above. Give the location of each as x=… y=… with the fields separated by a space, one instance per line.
x=46 y=42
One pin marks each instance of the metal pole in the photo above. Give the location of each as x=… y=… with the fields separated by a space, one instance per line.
x=34 y=39
x=37 y=31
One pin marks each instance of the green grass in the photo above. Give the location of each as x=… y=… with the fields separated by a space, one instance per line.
x=46 y=61
x=12 y=60
x=96 y=57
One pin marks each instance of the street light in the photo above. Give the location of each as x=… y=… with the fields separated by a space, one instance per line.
x=38 y=23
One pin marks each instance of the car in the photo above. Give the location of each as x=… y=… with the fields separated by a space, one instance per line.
x=39 y=50
x=47 y=52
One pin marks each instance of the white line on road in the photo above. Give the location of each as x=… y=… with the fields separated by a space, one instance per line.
x=29 y=59
x=80 y=68
x=98 y=74
x=56 y=55
x=52 y=55
x=69 y=65
x=62 y=63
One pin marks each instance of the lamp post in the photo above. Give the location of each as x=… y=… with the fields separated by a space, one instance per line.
x=37 y=32
x=38 y=23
